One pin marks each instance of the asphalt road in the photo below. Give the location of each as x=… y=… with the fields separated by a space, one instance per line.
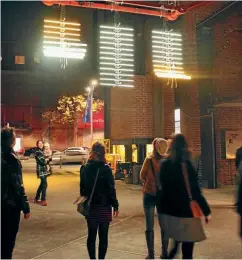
x=59 y=232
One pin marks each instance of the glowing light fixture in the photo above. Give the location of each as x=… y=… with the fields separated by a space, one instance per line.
x=116 y=56
x=167 y=55
x=62 y=40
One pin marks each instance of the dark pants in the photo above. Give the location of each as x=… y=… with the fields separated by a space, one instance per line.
x=10 y=218
x=41 y=192
x=102 y=228
x=187 y=250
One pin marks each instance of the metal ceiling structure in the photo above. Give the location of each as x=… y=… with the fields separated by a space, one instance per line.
x=170 y=10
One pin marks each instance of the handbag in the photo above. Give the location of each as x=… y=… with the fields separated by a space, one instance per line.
x=83 y=207
x=194 y=206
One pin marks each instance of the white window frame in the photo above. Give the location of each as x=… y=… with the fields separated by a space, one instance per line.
x=177 y=114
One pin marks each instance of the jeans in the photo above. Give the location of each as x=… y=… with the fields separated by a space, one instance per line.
x=9 y=229
x=187 y=250
x=149 y=204
x=102 y=228
x=41 y=192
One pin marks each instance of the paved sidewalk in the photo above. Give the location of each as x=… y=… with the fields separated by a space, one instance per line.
x=59 y=232
x=221 y=197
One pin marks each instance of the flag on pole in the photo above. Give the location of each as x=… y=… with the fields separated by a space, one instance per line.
x=87 y=113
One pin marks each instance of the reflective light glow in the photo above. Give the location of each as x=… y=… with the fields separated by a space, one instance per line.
x=167 y=55
x=116 y=56
x=62 y=40
x=172 y=75
x=113 y=43
x=62 y=23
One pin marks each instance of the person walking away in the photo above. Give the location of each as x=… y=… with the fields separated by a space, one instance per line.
x=13 y=197
x=151 y=188
x=103 y=200
x=178 y=180
x=42 y=174
x=48 y=156
x=238 y=162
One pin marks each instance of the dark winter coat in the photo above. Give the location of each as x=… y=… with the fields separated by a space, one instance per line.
x=105 y=192
x=174 y=200
x=12 y=189
x=238 y=157
x=41 y=164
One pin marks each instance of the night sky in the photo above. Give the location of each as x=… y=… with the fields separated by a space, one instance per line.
x=21 y=34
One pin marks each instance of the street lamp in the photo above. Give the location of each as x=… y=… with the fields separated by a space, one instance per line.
x=90 y=90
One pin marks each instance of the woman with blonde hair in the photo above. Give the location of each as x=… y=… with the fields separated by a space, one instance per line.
x=149 y=176
x=97 y=176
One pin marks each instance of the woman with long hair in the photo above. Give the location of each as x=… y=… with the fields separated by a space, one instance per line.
x=149 y=176
x=13 y=197
x=103 y=200
x=42 y=173
x=179 y=187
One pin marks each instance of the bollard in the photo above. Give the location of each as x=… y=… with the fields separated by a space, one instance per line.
x=60 y=162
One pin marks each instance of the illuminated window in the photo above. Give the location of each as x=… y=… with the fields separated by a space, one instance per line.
x=167 y=55
x=116 y=56
x=19 y=60
x=62 y=40
x=177 y=121
x=17 y=146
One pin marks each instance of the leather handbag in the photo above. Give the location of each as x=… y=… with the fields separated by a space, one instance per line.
x=83 y=207
x=194 y=206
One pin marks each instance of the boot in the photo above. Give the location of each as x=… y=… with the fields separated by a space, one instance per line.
x=43 y=203
x=164 y=246
x=150 y=244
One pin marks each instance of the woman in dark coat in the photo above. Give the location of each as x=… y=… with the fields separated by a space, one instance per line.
x=103 y=200
x=175 y=200
x=42 y=173
x=13 y=197
x=238 y=162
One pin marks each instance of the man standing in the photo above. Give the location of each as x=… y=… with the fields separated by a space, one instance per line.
x=238 y=163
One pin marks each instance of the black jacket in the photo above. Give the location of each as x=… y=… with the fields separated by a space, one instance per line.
x=238 y=157
x=41 y=164
x=105 y=192
x=174 y=200
x=12 y=189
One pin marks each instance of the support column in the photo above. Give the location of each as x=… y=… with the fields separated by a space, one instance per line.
x=141 y=153
x=206 y=97
x=128 y=153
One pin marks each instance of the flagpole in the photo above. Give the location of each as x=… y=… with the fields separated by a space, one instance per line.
x=91 y=116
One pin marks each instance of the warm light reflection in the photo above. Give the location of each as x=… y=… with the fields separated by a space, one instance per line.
x=61 y=44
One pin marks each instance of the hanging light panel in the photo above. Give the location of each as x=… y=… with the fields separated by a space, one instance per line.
x=62 y=40
x=116 y=56
x=167 y=55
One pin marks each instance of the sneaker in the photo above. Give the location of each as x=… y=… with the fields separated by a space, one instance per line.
x=43 y=203
x=36 y=201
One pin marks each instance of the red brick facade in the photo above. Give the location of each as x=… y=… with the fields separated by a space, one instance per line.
x=226 y=119
x=131 y=110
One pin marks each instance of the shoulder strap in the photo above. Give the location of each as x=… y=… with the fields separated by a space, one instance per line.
x=94 y=186
x=185 y=176
x=153 y=171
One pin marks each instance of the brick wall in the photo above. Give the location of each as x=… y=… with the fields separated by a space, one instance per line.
x=169 y=111
x=131 y=110
x=189 y=95
x=231 y=119
x=228 y=62
x=227 y=81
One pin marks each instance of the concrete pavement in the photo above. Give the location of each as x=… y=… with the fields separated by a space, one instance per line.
x=59 y=232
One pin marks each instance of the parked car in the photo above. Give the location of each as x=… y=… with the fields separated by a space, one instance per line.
x=71 y=155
